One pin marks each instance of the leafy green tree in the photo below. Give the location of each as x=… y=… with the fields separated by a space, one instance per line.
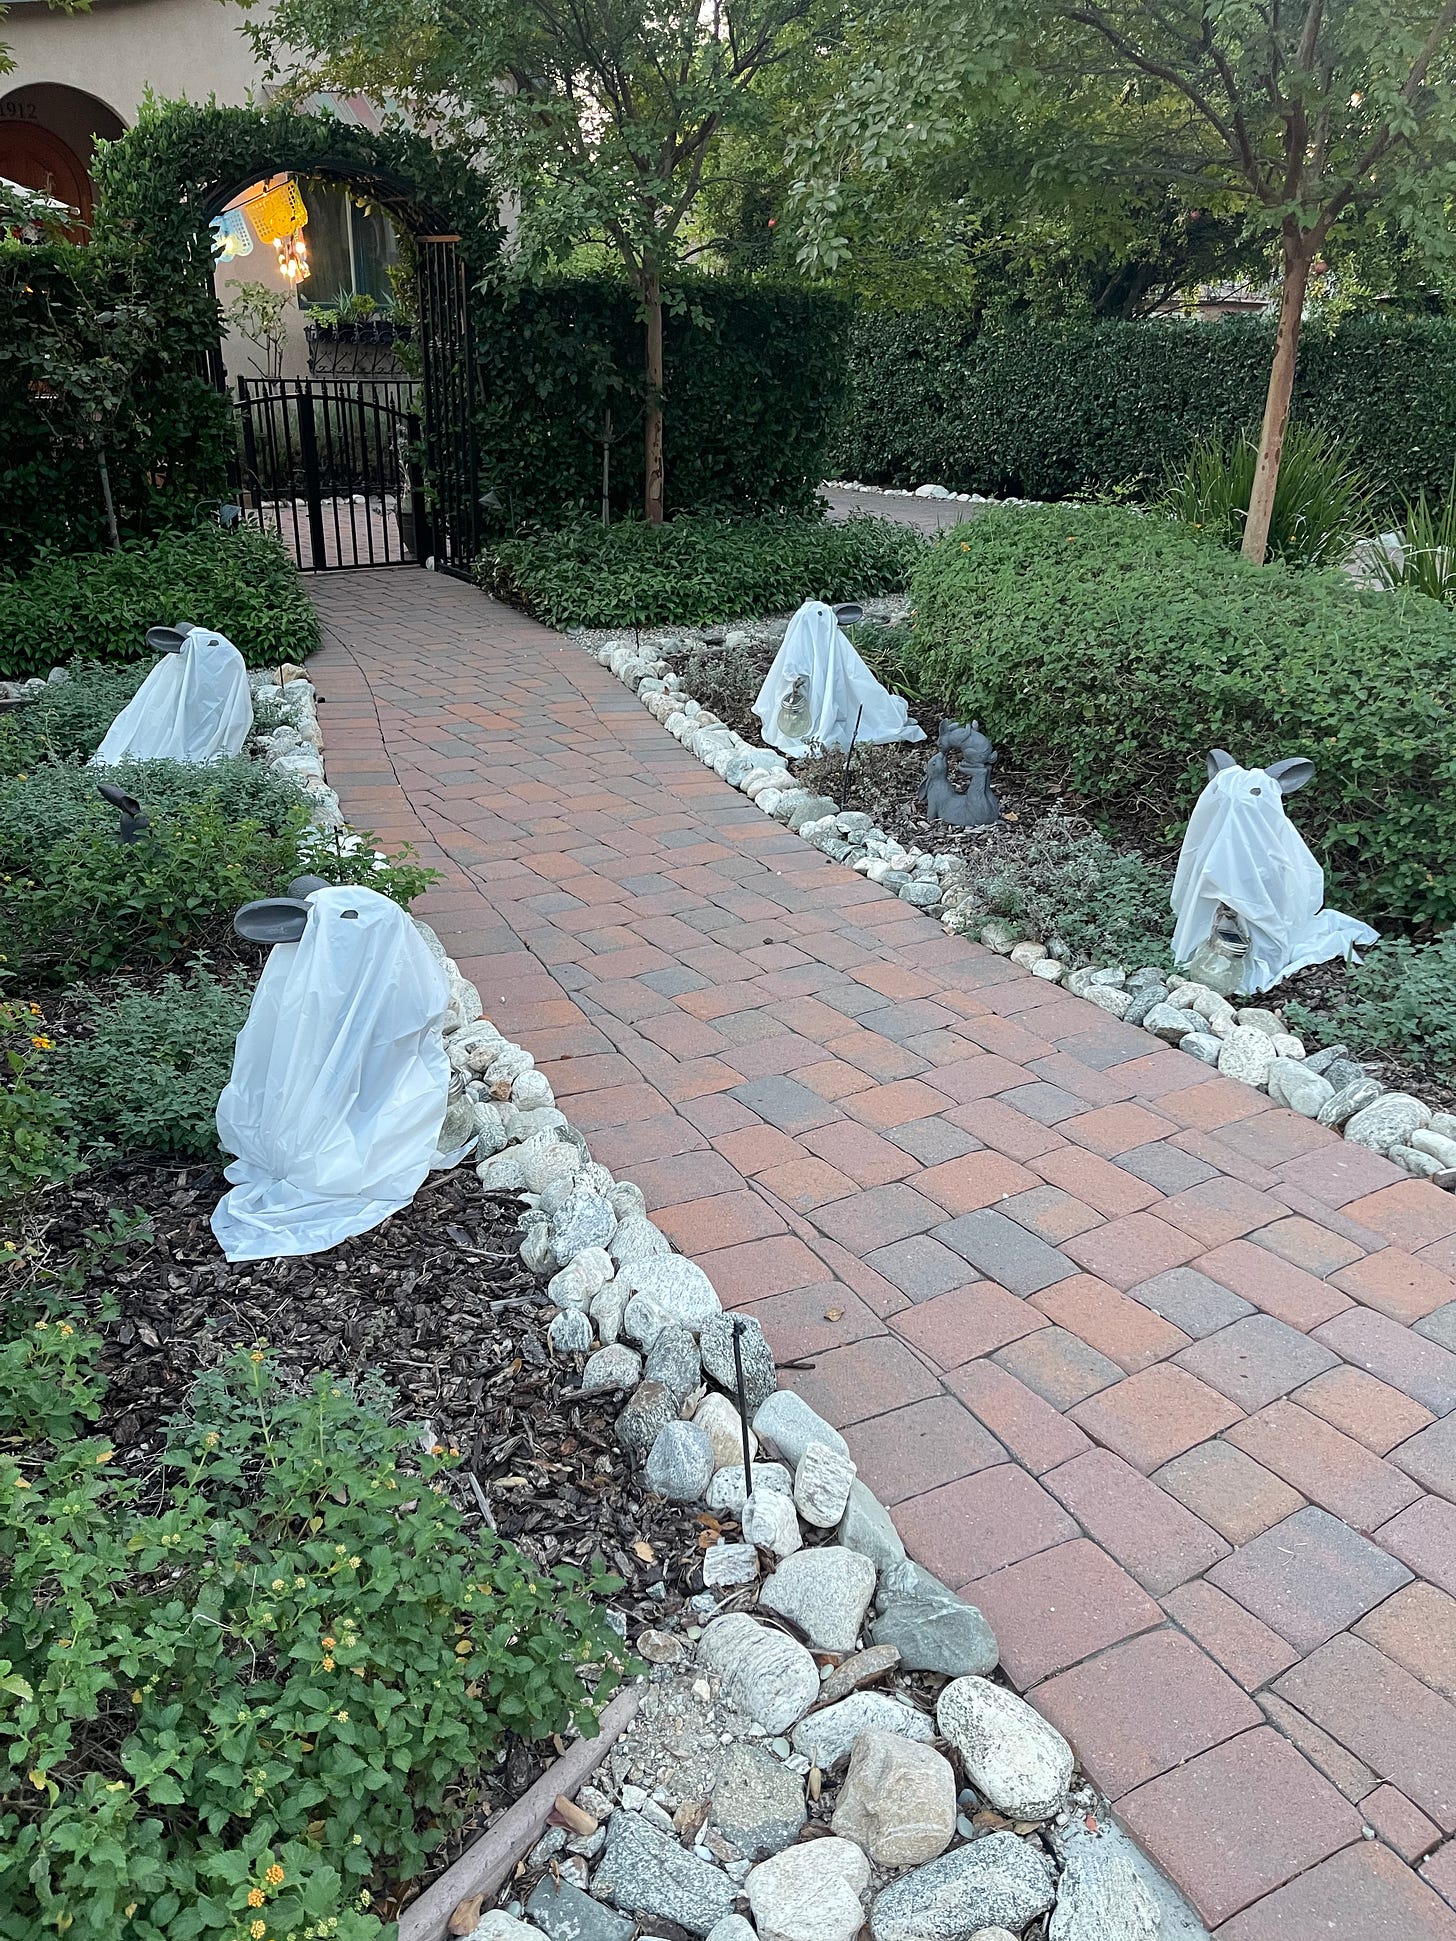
x=1309 y=121
x=605 y=120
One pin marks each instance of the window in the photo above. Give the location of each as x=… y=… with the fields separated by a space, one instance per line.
x=350 y=249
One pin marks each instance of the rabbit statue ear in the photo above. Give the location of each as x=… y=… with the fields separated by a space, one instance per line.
x=1219 y=758
x=1292 y=773
x=272 y=920
x=166 y=640
x=303 y=886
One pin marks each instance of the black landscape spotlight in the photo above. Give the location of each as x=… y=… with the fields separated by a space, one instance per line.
x=133 y=823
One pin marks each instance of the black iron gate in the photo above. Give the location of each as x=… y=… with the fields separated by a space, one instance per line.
x=332 y=466
x=447 y=358
x=374 y=471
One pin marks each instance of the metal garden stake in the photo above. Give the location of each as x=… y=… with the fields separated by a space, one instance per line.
x=739 y=1326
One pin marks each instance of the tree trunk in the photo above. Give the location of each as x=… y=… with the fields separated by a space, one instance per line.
x=652 y=304
x=1299 y=251
x=112 y=532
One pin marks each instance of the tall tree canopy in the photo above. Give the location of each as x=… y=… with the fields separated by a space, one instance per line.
x=1304 y=120
x=607 y=118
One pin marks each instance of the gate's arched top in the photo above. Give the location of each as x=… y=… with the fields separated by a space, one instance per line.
x=183 y=162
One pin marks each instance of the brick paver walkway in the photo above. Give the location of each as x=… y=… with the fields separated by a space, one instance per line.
x=1164 y=1376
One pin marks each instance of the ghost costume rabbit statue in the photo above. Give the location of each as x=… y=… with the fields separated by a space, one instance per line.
x=818 y=688
x=194 y=706
x=1242 y=851
x=339 y=1079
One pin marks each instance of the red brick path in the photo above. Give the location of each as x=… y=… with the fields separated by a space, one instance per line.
x=1164 y=1376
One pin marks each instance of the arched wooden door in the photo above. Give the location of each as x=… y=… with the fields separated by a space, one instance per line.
x=38 y=159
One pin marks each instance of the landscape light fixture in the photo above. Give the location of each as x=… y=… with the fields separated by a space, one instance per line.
x=133 y=823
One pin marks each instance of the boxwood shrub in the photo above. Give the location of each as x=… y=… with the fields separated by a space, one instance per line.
x=98 y=606
x=696 y=569
x=1107 y=651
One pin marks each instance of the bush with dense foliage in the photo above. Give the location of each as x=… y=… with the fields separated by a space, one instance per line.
x=142 y=1070
x=1051 y=410
x=98 y=606
x=244 y=1706
x=695 y=570
x=754 y=376
x=1106 y=652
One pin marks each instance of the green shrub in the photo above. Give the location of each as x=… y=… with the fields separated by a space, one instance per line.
x=36 y=1148
x=1047 y=411
x=1427 y=562
x=1106 y=652
x=692 y=571
x=754 y=375
x=1399 y=1001
x=249 y=1707
x=68 y=721
x=89 y=904
x=98 y=606
x=1322 y=502
x=54 y=800
x=147 y=1075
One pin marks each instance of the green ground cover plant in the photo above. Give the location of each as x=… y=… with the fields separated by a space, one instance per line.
x=1398 y=1001
x=696 y=569
x=1106 y=652
x=240 y=1706
x=142 y=1070
x=98 y=606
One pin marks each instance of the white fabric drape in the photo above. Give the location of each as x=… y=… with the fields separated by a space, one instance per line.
x=339 y=1082
x=1242 y=849
x=194 y=706
x=839 y=686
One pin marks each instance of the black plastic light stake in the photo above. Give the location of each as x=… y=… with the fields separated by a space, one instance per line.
x=738 y=1326
x=848 y=758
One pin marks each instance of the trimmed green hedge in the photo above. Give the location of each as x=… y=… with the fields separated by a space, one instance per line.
x=1106 y=652
x=1047 y=411
x=98 y=606
x=693 y=571
x=754 y=378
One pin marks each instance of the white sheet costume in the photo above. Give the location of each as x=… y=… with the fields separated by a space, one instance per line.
x=834 y=685
x=1242 y=849
x=194 y=706
x=339 y=1082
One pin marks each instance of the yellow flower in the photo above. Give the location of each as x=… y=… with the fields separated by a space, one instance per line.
x=256 y=1897
x=44 y=1044
x=258 y=1355
x=66 y=1328
x=353 y=1563
x=274 y=1876
x=105 y=1455
x=277 y=1584
x=341 y=1717
x=328 y=1664
x=258 y=1930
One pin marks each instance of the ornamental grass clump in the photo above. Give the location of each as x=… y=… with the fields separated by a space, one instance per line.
x=253 y=1691
x=1324 y=501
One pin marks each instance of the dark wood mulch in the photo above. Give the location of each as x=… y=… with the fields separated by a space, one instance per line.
x=435 y=1300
